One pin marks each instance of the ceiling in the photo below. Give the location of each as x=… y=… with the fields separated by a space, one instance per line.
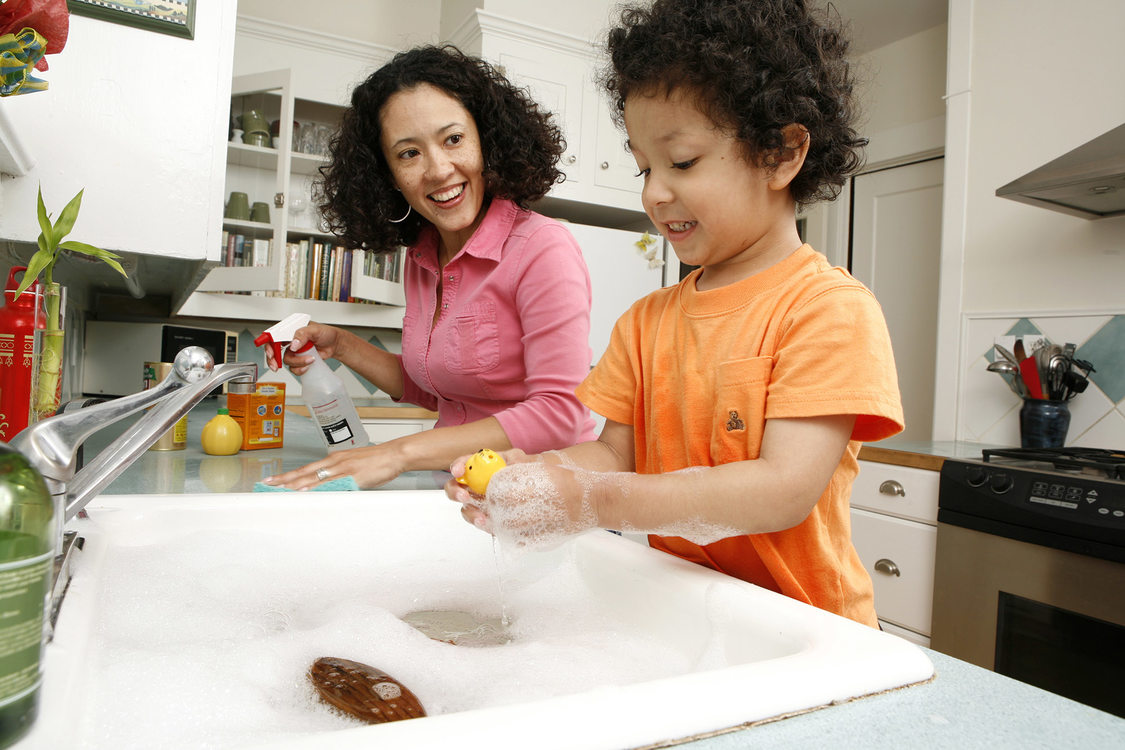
x=875 y=23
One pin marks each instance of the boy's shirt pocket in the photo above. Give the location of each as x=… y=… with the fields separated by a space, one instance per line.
x=474 y=343
x=738 y=418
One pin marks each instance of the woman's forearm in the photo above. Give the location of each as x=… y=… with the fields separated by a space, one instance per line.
x=437 y=448
x=378 y=366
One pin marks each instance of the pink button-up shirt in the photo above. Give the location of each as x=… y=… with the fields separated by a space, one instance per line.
x=512 y=337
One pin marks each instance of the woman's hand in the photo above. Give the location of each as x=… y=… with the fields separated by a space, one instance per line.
x=370 y=466
x=325 y=338
x=530 y=501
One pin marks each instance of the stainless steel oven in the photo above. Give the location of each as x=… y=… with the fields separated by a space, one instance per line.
x=1029 y=579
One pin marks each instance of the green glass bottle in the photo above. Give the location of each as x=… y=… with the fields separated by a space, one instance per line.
x=28 y=531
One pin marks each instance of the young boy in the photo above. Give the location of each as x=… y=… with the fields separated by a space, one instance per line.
x=736 y=401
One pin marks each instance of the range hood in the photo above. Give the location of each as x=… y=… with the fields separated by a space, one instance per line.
x=1088 y=181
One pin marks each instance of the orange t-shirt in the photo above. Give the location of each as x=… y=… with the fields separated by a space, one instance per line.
x=697 y=374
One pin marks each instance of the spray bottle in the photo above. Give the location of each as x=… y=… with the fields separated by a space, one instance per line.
x=321 y=389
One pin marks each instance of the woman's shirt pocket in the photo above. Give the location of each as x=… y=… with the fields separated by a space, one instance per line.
x=739 y=420
x=473 y=346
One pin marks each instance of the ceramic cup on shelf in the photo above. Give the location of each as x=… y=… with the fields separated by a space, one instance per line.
x=260 y=212
x=236 y=135
x=1043 y=423
x=238 y=207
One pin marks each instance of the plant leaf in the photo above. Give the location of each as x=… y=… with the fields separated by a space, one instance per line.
x=68 y=216
x=38 y=262
x=109 y=258
x=45 y=223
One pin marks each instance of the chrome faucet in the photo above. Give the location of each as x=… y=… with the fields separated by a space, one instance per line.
x=52 y=445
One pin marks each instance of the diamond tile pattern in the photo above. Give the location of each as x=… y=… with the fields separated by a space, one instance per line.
x=988 y=411
x=1105 y=350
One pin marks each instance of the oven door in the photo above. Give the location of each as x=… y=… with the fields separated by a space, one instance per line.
x=1047 y=617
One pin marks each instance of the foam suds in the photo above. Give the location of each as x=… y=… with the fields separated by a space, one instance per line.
x=526 y=509
x=204 y=640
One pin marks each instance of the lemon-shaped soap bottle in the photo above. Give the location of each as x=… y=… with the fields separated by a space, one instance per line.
x=222 y=436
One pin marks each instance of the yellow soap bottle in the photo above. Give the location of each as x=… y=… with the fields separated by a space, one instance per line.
x=221 y=436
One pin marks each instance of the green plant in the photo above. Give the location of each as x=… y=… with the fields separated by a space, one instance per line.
x=51 y=249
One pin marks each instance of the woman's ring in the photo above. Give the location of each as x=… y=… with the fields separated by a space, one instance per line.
x=323 y=474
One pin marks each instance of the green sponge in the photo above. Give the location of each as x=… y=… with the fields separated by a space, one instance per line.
x=336 y=485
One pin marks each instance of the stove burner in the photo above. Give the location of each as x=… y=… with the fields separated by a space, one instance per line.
x=1109 y=463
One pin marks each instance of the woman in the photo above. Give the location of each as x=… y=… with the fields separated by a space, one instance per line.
x=440 y=153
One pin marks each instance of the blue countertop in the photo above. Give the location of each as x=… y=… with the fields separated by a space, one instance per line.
x=964 y=706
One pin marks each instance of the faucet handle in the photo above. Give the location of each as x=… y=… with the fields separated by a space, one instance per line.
x=193 y=363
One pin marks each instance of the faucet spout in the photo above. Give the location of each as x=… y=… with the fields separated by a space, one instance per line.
x=52 y=445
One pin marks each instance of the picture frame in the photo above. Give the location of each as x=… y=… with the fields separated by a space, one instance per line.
x=175 y=17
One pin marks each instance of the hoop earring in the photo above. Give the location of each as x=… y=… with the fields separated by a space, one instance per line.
x=399 y=221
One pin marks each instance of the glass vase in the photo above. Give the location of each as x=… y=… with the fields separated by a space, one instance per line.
x=47 y=353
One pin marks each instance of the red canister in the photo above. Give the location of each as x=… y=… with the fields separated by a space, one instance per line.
x=17 y=341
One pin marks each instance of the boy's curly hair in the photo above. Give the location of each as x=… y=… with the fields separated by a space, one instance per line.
x=520 y=144
x=756 y=66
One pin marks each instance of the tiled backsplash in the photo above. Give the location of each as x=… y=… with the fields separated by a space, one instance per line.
x=358 y=387
x=989 y=412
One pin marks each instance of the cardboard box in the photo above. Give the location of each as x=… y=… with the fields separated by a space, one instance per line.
x=260 y=413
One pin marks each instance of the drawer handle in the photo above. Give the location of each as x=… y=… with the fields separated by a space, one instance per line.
x=888 y=567
x=891 y=487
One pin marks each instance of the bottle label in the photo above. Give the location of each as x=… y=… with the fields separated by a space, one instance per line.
x=23 y=592
x=337 y=432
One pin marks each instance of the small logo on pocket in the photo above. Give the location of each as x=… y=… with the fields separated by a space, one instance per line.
x=734 y=423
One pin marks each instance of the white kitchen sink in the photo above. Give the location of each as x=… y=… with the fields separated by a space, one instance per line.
x=191 y=621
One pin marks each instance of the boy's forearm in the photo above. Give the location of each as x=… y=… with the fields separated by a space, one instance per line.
x=773 y=492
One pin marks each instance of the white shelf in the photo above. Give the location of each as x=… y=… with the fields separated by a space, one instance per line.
x=250 y=307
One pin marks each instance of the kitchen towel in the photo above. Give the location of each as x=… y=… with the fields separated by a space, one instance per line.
x=335 y=485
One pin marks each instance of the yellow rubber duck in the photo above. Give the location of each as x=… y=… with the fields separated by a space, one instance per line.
x=479 y=470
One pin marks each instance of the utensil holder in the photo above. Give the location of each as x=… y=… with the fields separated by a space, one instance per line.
x=1043 y=423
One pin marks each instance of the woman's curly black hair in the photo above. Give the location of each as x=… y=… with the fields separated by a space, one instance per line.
x=755 y=66
x=520 y=143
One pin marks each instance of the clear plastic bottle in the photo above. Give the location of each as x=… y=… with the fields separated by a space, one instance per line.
x=332 y=409
x=28 y=537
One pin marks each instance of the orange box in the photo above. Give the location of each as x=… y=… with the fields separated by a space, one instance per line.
x=260 y=412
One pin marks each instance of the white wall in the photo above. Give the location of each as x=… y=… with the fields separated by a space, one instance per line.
x=1046 y=77
x=393 y=23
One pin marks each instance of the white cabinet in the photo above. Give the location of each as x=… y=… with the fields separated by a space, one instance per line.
x=267 y=262
x=138 y=121
x=894 y=529
x=382 y=430
x=559 y=70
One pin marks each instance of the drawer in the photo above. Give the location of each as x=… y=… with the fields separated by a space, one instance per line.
x=899 y=557
x=898 y=490
x=382 y=430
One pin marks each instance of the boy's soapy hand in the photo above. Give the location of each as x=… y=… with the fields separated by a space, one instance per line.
x=532 y=501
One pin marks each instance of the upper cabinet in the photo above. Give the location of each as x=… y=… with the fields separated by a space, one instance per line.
x=138 y=120
x=560 y=71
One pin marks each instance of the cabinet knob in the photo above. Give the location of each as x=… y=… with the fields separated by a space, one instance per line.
x=891 y=487
x=570 y=159
x=887 y=567
x=605 y=165
x=279 y=200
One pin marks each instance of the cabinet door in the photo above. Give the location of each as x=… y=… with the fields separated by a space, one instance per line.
x=619 y=276
x=253 y=259
x=382 y=430
x=896 y=251
x=616 y=168
x=556 y=83
x=899 y=557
